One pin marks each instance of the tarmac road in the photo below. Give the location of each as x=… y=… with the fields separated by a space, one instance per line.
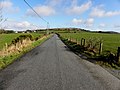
x=52 y=66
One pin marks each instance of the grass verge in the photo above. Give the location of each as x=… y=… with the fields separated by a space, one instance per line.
x=104 y=61
x=7 y=38
x=7 y=60
x=111 y=42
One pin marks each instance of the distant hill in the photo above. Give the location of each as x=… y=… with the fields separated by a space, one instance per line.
x=109 y=32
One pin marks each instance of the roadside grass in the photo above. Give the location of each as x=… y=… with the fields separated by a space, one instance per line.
x=7 y=38
x=111 y=42
x=5 y=61
x=108 y=65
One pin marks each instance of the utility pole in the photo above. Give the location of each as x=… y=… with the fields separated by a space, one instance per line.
x=47 y=31
x=47 y=27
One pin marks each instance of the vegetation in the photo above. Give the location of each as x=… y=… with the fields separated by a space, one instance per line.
x=91 y=46
x=9 y=58
x=2 y=31
x=110 y=41
x=72 y=37
x=7 y=38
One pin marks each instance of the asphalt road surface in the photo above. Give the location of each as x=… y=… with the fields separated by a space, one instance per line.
x=52 y=66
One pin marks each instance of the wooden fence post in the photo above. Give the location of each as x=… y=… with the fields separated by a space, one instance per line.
x=70 y=38
x=76 y=40
x=84 y=42
x=118 y=55
x=6 y=48
x=81 y=41
x=100 y=49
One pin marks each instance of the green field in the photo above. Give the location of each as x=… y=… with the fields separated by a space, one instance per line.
x=8 y=59
x=110 y=41
x=7 y=38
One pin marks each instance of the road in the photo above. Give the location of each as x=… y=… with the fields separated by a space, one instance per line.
x=52 y=66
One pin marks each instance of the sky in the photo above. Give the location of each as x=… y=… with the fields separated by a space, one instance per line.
x=93 y=15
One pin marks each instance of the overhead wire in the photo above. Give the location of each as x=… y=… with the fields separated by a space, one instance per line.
x=37 y=14
x=2 y=19
x=35 y=11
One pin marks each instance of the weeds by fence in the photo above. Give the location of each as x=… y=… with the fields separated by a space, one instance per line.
x=93 y=47
x=93 y=44
x=18 y=44
x=16 y=49
x=118 y=54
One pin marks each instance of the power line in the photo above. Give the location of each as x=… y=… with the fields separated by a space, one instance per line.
x=35 y=11
x=38 y=15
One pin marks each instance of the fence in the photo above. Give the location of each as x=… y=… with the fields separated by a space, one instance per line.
x=118 y=55
x=91 y=45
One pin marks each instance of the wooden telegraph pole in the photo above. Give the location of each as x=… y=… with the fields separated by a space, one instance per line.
x=118 y=55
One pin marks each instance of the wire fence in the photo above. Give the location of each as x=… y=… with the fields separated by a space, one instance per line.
x=93 y=45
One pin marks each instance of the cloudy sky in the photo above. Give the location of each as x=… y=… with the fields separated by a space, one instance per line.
x=89 y=14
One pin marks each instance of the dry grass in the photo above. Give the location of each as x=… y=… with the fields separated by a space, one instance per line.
x=8 y=50
x=16 y=48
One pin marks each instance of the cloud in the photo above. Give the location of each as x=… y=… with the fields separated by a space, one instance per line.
x=8 y=7
x=89 y=22
x=100 y=12
x=6 y=4
x=77 y=21
x=23 y=24
x=74 y=3
x=19 y=26
x=54 y=2
x=116 y=26
x=102 y=25
x=75 y=9
x=41 y=10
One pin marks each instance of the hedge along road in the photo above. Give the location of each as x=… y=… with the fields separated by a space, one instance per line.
x=52 y=66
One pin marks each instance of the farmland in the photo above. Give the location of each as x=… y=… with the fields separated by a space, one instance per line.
x=7 y=38
x=18 y=44
x=110 y=41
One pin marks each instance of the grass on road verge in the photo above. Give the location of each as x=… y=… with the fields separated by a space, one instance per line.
x=111 y=42
x=7 y=38
x=103 y=60
x=5 y=61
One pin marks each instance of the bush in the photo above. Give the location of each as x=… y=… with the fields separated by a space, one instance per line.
x=2 y=64
x=21 y=38
x=2 y=31
x=93 y=45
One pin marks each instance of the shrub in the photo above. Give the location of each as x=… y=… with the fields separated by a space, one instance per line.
x=93 y=45
x=21 y=38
